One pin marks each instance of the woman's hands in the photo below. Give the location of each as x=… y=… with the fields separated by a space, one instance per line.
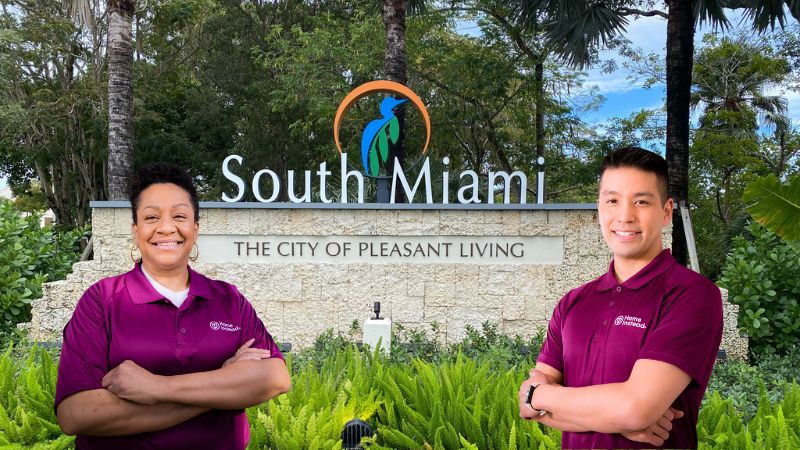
x=132 y=382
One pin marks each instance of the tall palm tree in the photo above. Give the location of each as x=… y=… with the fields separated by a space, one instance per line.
x=733 y=75
x=120 y=89
x=579 y=27
x=393 y=14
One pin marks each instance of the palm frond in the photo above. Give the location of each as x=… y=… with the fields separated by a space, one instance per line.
x=764 y=14
x=773 y=104
x=776 y=206
x=81 y=10
x=574 y=38
x=710 y=11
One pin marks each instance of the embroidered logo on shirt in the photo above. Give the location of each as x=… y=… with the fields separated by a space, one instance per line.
x=216 y=326
x=630 y=321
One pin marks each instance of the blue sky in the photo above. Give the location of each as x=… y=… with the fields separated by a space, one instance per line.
x=624 y=96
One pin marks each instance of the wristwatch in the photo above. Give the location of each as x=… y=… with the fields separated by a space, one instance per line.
x=529 y=397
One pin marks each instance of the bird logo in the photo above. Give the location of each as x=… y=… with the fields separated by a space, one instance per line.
x=381 y=133
x=378 y=135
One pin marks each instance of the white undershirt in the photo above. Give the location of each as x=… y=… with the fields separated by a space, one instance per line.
x=176 y=297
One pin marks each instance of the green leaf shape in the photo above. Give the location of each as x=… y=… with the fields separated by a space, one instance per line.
x=776 y=206
x=379 y=149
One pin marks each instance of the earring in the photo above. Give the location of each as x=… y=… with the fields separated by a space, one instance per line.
x=196 y=251
x=134 y=248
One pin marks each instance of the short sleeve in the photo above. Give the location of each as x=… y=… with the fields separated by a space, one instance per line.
x=552 y=352
x=84 y=351
x=689 y=331
x=253 y=327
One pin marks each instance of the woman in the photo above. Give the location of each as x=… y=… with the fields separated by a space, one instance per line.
x=162 y=357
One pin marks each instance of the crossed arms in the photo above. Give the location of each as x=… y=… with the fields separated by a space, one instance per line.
x=638 y=408
x=133 y=400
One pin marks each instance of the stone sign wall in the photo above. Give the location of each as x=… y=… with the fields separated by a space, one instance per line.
x=455 y=267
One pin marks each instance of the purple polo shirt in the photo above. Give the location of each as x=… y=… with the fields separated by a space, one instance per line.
x=665 y=312
x=123 y=317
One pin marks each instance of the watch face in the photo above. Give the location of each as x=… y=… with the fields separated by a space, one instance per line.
x=529 y=396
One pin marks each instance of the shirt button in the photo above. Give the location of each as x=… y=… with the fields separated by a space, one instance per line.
x=611 y=303
x=619 y=288
x=183 y=330
x=605 y=322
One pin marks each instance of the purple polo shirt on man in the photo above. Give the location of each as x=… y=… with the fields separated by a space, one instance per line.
x=123 y=317
x=665 y=312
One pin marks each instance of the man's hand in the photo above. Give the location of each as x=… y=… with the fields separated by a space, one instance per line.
x=658 y=432
x=526 y=411
x=246 y=353
x=132 y=382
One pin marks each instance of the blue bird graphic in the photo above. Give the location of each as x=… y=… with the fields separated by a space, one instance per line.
x=378 y=134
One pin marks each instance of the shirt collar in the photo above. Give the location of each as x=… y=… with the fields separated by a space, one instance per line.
x=141 y=291
x=659 y=264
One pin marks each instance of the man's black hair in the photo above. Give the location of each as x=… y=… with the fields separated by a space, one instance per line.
x=162 y=173
x=641 y=159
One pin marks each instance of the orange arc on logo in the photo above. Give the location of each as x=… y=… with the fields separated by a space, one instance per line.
x=373 y=87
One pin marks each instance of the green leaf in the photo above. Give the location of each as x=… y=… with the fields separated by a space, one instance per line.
x=394 y=130
x=776 y=206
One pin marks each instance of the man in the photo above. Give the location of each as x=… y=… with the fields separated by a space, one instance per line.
x=628 y=356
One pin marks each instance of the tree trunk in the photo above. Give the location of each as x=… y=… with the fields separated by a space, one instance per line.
x=538 y=83
x=394 y=68
x=680 y=54
x=120 y=98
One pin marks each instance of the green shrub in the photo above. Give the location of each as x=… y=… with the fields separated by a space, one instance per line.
x=737 y=381
x=27 y=390
x=773 y=427
x=458 y=403
x=440 y=406
x=29 y=256
x=763 y=277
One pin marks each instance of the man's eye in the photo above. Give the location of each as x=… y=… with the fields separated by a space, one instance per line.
x=151 y=218
x=180 y=217
x=642 y=202
x=611 y=201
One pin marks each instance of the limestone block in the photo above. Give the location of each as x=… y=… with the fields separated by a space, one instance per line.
x=238 y=221
x=304 y=321
x=311 y=283
x=513 y=307
x=102 y=221
x=537 y=308
x=527 y=328
x=387 y=223
x=122 y=222
x=216 y=221
x=418 y=275
x=533 y=223
x=365 y=222
x=459 y=223
x=458 y=318
x=330 y=273
x=267 y=222
x=405 y=309
x=273 y=316
x=443 y=291
x=494 y=280
x=735 y=344
x=557 y=222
